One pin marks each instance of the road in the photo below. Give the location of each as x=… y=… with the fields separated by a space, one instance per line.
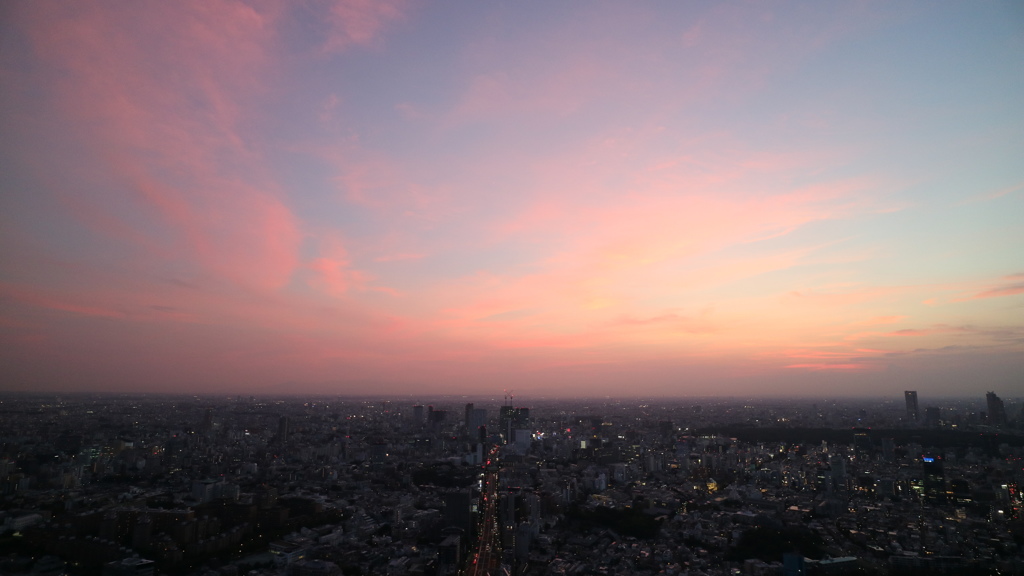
x=486 y=558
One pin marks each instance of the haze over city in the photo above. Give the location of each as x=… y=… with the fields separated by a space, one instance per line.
x=578 y=199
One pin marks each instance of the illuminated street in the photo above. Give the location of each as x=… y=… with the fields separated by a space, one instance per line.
x=486 y=558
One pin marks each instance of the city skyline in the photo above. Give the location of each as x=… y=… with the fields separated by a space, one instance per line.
x=383 y=198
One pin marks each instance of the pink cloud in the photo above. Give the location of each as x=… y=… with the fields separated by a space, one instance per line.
x=163 y=115
x=914 y=332
x=701 y=324
x=359 y=22
x=37 y=299
x=845 y=296
x=335 y=274
x=555 y=88
x=892 y=319
x=832 y=367
x=401 y=191
x=630 y=242
x=837 y=356
x=329 y=108
x=990 y=195
x=822 y=355
x=1006 y=290
x=610 y=257
x=400 y=257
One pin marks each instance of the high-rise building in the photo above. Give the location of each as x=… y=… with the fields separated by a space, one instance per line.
x=458 y=510
x=505 y=419
x=996 y=410
x=511 y=419
x=282 y=428
x=911 y=398
x=477 y=418
x=888 y=449
x=521 y=418
x=436 y=418
x=862 y=440
x=934 y=478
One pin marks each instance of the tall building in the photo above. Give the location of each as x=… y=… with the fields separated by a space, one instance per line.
x=888 y=449
x=934 y=478
x=436 y=418
x=282 y=428
x=477 y=418
x=911 y=398
x=511 y=419
x=996 y=410
x=458 y=510
x=505 y=416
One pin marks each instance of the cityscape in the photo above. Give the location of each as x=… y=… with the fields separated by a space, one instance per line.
x=122 y=484
x=497 y=288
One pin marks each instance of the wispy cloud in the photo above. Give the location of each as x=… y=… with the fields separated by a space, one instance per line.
x=290 y=192
x=359 y=22
x=831 y=367
x=1010 y=289
x=34 y=298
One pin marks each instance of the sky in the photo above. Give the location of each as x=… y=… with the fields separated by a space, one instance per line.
x=562 y=199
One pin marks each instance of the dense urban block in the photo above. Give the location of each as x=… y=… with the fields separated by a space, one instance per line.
x=147 y=485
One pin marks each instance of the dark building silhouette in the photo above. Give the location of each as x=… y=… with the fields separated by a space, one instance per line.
x=862 y=440
x=911 y=398
x=511 y=419
x=458 y=510
x=996 y=410
x=665 y=428
x=282 y=428
x=505 y=420
x=888 y=449
x=436 y=418
x=207 y=424
x=934 y=478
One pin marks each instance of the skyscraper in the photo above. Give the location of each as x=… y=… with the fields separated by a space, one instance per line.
x=477 y=418
x=911 y=397
x=512 y=419
x=934 y=478
x=207 y=420
x=505 y=416
x=996 y=410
